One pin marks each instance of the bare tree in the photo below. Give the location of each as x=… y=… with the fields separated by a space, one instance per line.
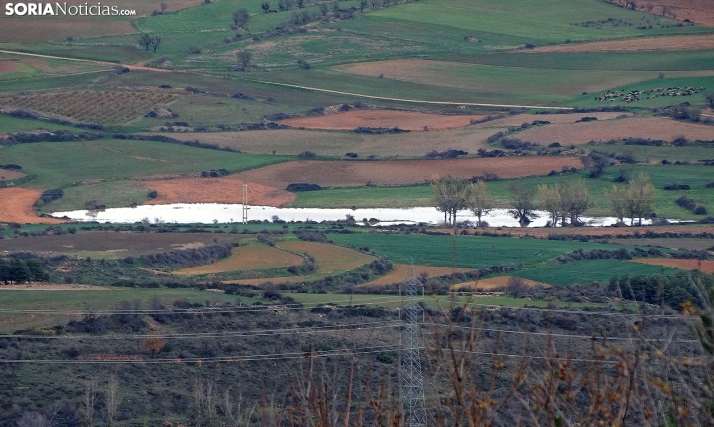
x=112 y=399
x=618 y=199
x=204 y=399
x=88 y=401
x=479 y=200
x=551 y=202
x=522 y=202
x=155 y=42
x=324 y=9
x=234 y=414
x=145 y=41
x=265 y=6
x=575 y=200
x=450 y=195
x=244 y=57
x=362 y=5
x=164 y=6
x=639 y=198
x=709 y=96
x=33 y=419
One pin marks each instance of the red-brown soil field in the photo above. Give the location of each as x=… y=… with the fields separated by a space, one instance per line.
x=494 y=283
x=401 y=172
x=698 y=11
x=251 y=257
x=16 y=206
x=216 y=190
x=650 y=43
x=684 y=264
x=633 y=127
x=407 y=120
x=400 y=273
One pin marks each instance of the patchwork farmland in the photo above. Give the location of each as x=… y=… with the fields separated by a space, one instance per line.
x=539 y=171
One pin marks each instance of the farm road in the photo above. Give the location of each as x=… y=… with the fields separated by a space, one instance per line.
x=315 y=89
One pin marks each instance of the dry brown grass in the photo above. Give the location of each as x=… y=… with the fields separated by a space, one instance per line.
x=17 y=29
x=215 y=190
x=251 y=257
x=695 y=42
x=9 y=66
x=6 y=175
x=407 y=120
x=632 y=127
x=698 y=11
x=494 y=283
x=684 y=264
x=330 y=260
x=401 y=172
x=293 y=141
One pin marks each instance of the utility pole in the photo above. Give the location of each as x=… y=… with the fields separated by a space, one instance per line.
x=245 y=203
x=412 y=380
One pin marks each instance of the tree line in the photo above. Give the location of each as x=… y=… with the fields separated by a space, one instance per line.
x=564 y=203
x=22 y=271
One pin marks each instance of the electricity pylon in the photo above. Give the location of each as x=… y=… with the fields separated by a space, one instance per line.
x=412 y=380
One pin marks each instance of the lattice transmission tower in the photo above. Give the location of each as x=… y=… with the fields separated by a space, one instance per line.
x=412 y=380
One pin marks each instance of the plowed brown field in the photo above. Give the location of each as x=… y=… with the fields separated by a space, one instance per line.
x=400 y=273
x=251 y=257
x=16 y=206
x=633 y=127
x=407 y=120
x=402 y=172
x=9 y=66
x=684 y=264
x=698 y=11
x=649 y=43
x=215 y=190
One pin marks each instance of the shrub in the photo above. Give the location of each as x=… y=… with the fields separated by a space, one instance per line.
x=307 y=155
x=586 y=119
x=153 y=194
x=676 y=186
x=300 y=186
x=709 y=185
x=495 y=137
x=685 y=202
x=700 y=210
x=352 y=155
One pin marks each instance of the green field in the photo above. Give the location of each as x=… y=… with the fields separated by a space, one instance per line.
x=585 y=272
x=463 y=251
x=13 y=124
x=85 y=301
x=60 y=164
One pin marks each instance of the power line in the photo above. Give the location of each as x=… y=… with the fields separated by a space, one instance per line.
x=235 y=358
x=262 y=332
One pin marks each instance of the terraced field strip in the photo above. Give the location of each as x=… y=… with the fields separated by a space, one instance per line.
x=400 y=273
x=406 y=120
x=251 y=257
x=330 y=259
x=684 y=264
x=494 y=283
x=113 y=245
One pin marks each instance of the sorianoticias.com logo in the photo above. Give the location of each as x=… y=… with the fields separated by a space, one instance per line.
x=63 y=9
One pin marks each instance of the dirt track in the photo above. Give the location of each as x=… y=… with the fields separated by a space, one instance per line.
x=684 y=264
x=631 y=45
x=402 y=172
x=16 y=206
x=633 y=127
x=216 y=190
x=407 y=120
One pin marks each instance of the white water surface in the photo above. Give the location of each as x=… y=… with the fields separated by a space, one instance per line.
x=206 y=213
